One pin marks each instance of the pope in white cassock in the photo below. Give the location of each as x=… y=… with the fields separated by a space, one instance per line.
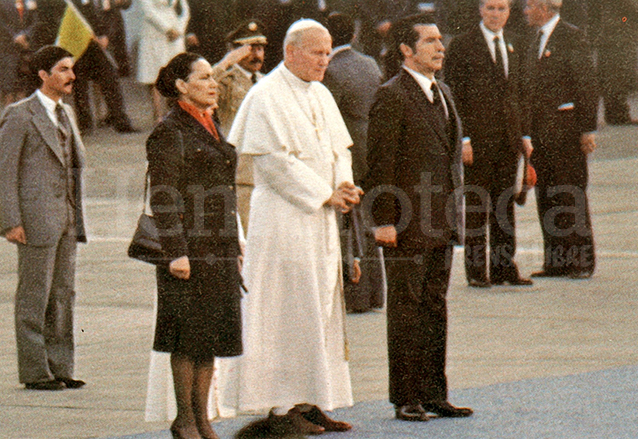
x=294 y=339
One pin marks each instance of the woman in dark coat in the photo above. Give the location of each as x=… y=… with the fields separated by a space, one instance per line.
x=192 y=171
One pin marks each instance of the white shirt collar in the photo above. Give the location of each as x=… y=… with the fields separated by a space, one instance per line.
x=488 y=34
x=489 y=39
x=49 y=105
x=340 y=49
x=426 y=84
x=547 y=29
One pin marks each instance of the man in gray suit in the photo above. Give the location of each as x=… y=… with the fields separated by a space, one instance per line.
x=353 y=79
x=41 y=158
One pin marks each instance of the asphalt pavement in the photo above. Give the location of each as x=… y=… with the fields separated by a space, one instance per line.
x=498 y=338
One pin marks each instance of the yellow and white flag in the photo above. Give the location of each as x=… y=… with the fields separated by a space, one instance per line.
x=75 y=33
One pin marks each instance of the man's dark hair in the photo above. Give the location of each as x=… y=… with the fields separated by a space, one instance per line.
x=402 y=32
x=341 y=28
x=46 y=58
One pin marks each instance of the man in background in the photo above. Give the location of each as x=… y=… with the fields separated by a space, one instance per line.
x=353 y=79
x=563 y=103
x=484 y=70
x=235 y=74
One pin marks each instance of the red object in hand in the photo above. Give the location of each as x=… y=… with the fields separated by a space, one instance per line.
x=530 y=176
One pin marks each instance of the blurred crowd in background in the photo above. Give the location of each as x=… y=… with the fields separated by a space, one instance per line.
x=132 y=35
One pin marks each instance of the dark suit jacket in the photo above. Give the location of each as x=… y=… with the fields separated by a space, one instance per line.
x=563 y=75
x=11 y=26
x=487 y=102
x=613 y=31
x=353 y=80
x=192 y=188
x=32 y=174
x=405 y=145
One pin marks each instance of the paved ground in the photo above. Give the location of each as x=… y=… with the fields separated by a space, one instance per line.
x=555 y=328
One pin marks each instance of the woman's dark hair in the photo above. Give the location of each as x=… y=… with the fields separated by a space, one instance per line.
x=177 y=68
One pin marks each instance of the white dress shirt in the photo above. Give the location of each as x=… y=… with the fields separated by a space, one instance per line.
x=49 y=105
x=426 y=85
x=547 y=30
x=489 y=39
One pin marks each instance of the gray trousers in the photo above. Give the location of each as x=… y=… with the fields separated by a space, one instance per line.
x=44 y=309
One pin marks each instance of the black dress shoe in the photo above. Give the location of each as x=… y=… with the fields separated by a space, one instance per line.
x=315 y=415
x=444 y=409
x=46 y=385
x=301 y=424
x=70 y=383
x=545 y=273
x=412 y=413
x=476 y=283
x=519 y=281
x=580 y=274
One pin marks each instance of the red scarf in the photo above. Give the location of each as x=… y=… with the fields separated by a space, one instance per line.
x=203 y=117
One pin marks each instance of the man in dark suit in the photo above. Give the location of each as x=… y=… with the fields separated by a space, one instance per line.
x=483 y=69
x=41 y=159
x=116 y=33
x=414 y=195
x=94 y=65
x=353 y=79
x=563 y=111
x=17 y=26
x=613 y=30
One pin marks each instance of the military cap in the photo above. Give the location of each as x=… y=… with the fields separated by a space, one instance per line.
x=249 y=32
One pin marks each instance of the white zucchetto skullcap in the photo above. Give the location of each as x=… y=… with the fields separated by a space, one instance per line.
x=305 y=24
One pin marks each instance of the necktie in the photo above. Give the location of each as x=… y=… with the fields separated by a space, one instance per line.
x=63 y=122
x=64 y=128
x=253 y=78
x=436 y=99
x=498 y=56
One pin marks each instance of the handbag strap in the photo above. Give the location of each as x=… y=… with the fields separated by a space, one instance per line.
x=180 y=142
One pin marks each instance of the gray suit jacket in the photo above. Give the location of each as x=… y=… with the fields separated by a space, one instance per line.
x=32 y=175
x=353 y=79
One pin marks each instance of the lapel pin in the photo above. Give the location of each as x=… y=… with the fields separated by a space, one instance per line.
x=547 y=53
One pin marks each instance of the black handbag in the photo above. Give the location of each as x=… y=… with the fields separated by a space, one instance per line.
x=145 y=245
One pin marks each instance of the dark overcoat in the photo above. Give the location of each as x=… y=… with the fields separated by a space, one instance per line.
x=193 y=200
